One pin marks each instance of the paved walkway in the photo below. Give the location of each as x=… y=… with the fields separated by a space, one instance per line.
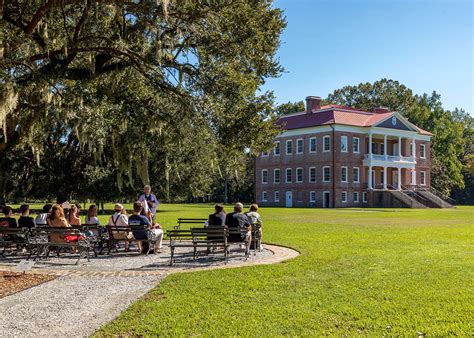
x=86 y=296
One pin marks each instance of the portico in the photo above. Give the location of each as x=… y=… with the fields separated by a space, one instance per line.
x=388 y=159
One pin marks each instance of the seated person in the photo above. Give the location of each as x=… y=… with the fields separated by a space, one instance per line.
x=91 y=217
x=255 y=220
x=218 y=217
x=57 y=220
x=120 y=219
x=41 y=219
x=74 y=216
x=8 y=221
x=238 y=220
x=140 y=224
x=25 y=221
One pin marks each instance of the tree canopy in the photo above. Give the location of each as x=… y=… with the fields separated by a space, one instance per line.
x=131 y=82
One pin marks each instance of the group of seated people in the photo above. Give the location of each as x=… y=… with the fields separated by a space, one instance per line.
x=237 y=219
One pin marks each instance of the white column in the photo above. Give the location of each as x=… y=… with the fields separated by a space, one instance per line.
x=399 y=187
x=384 y=178
x=370 y=178
x=414 y=148
x=399 y=146
x=413 y=177
x=385 y=146
x=370 y=144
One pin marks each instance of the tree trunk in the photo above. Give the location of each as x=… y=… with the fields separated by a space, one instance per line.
x=226 y=190
x=3 y=179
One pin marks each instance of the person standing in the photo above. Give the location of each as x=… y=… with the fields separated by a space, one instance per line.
x=150 y=200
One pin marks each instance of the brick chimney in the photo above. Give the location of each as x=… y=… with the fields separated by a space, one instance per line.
x=313 y=103
x=381 y=110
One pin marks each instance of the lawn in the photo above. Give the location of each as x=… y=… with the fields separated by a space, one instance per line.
x=360 y=272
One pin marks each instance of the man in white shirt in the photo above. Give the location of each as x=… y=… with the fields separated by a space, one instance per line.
x=149 y=200
x=40 y=220
x=120 y=219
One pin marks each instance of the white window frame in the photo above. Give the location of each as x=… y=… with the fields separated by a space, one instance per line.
x=326 y=137
x=264 y=171
x=309 y=174
x=382 y=149
x=311 y=139
x=358 y=175
x=297 y=145
x=286 y=175
x=324 y=178
x=355 y=196
x=344 y=141
x=264 y=153
x=423 y=178
x=347 y=172
x=276 y=196
x=275 y=148
x=299 y=169
x=364 y=197
x=344 y=197
x=358 y=145
x=311 y=195
x=423 y=151
x=264 y=196
x=286 y=147
x=274 y=176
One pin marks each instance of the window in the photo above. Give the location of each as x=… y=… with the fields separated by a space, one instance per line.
x=344 y=174
x=382 y=177
x=299 y=146
x=288 y=175
x=411 y=149
x=299 y=175
x=374 y=148
x=355 y=145
x=276 y=176
x=277 y=196
x=327 y=143
x=312 y=196
x=382 y=149
x=264 y=196
x=312 y=145
x=356 y=197
x=276 y=149
x=422 y=151
x=326 y=174
x=356 y=174
x=289 y=147
x=312 y=175
x=423 y=177
x=264 y=153
x=264 y=176
x=364 y=197
x=343 y=144
x=344 y=197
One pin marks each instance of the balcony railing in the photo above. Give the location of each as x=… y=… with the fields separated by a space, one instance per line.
x=390 y=158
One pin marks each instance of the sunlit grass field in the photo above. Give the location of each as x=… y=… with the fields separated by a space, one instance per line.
x=361 y=272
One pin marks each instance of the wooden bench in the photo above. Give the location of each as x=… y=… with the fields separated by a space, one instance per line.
x=12 y=236
x=112 y=242
x=198 y=238
x=241 y=233
x=190 y=221
x=40 y=243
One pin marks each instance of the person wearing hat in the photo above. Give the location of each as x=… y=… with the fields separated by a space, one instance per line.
x=238 y=220
x=120 y=219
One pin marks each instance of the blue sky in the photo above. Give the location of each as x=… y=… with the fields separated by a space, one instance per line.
x=426 y=45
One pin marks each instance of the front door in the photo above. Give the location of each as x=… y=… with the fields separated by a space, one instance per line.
x=395 y=179
x=326 y=201
x=289 y=199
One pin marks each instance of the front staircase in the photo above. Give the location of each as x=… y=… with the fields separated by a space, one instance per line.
x=408 y=198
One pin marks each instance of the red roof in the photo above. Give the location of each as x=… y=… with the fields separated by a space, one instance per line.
x=335 y=114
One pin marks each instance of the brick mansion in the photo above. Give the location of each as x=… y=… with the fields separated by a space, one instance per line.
x=335 y=156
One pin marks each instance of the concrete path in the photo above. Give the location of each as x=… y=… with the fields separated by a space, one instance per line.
x=87 y=296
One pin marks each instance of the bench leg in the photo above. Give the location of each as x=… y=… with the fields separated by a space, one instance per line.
x=172 y=256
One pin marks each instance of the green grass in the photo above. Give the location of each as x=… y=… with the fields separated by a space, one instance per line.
x=360 y=270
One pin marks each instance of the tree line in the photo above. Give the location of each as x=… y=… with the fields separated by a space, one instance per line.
x=99 y=98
